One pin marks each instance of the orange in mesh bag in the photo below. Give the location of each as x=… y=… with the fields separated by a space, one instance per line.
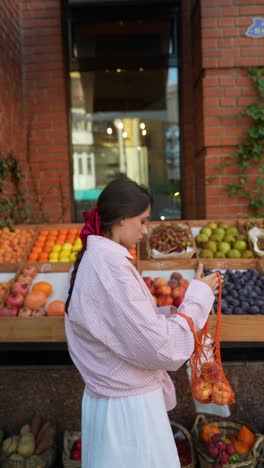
x=209 y=383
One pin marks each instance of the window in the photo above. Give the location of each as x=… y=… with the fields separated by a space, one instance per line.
x=124 y=103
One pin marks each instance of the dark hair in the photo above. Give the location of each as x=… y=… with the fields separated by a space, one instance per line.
x=121 y=198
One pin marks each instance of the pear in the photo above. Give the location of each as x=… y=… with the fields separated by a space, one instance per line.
x=206 y=253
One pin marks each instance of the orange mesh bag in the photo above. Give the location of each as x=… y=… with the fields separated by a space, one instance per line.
x=209 y=383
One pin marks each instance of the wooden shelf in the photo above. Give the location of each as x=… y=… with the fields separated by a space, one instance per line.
x=239 y=328
x=32 y=330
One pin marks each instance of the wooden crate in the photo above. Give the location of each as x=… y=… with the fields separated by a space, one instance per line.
x=32 y=330
x=145 y=250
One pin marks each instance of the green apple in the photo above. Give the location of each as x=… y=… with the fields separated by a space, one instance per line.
x=211 y=226
x=247 y=254
x=211 y=245
x=240 y=245
x=219 y=254
x=224 y=247
x=229 y=239
x=220 y=232
x=232 y=230
x=206 y=253
x=201 y=238
x=233 y=253
x=222 y=226
x=206 y=231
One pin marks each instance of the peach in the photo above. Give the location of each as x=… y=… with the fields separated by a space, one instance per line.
x=179 y=291
x=184 y=283
x=164 y=290
x=159 y=281
x=164 y=300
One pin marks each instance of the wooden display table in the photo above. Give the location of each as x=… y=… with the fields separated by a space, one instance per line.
x=235 y=328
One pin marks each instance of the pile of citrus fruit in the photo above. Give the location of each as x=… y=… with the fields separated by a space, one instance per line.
x=13 y=244
x=56 y=245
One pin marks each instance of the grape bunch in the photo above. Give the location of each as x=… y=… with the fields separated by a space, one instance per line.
x=242 y=292
x=184 y=450
x=170 y=237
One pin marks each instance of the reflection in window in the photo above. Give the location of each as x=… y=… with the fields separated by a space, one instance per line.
x=125 y=118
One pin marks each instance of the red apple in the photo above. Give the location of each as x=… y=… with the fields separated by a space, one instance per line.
x=147 y=280
x=202 y=390
x=184 y=283
x=164 y=300
x=164 y=290
x=8 y=311
x=78 y=444
x=159 y=281
x=221 y=393
x=20 y=288
x=75 y=455
x=173 y=283
x=152 y=290
x=15 y=299
x=177 y=301
x=179 y=291
x=176 y=275
x=210 y=371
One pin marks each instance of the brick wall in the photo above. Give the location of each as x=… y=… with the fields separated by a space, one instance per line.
x=11 y=89
x=46 y=114
x=227 y=90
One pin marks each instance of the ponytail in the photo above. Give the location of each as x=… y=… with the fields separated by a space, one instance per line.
x=73 y=277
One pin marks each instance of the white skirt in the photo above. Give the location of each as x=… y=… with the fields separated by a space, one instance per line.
x=131 y=432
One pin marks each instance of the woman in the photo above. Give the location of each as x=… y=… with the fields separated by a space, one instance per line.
x=121 y=343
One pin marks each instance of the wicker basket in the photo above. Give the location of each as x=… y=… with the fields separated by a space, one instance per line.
x=178 y=427
x=205 y=461
x=69 y=438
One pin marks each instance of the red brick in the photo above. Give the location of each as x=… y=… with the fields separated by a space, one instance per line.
x=223 y=22
x=251 y=10
x=232 y=11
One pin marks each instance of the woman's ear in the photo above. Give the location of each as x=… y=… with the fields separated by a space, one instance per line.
x=122 y=221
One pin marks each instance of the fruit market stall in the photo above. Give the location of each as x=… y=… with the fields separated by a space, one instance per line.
x=178 y=246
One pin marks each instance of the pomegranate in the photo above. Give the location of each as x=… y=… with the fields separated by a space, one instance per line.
x=39 y=312
x=21 y=288
x=15 y=299
x=25 y=279
x=24 y=312
x=30 y=270
x=8 y=311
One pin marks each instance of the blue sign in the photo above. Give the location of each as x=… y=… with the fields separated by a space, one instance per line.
x=257 y=28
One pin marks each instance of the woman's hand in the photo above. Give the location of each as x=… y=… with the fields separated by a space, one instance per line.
x=211 y=280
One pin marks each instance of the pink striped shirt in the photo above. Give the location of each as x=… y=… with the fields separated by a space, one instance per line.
x=120 y=342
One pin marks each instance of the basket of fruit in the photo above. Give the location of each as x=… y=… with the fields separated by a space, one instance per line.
x=224 y=443
x=72 y=447
x=170 y=240
x=34 y=445
x=256 y=237
x=183 y=441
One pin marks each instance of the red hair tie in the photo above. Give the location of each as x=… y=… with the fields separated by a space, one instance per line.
x=92 y=225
